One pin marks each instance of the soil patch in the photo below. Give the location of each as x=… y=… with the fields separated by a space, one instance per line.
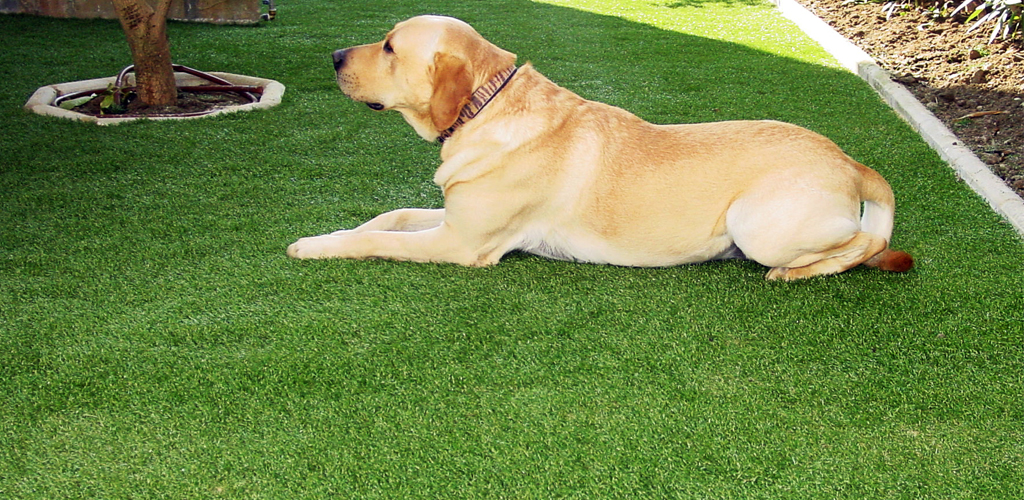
x=189 y=104
x=975 y=88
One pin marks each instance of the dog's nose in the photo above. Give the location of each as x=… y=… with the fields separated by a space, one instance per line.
x=339 y=58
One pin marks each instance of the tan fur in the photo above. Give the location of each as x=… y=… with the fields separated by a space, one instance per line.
x=545 y=171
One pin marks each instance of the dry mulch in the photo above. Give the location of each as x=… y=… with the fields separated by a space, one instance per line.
x=975 y=88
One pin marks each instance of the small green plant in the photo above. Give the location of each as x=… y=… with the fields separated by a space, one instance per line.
x=936 y=9
x=890 y=8
x=74 y=103
x=116 y=99
x=978 y=52
x=1005 y=14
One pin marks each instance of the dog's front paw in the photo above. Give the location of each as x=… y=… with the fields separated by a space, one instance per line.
x=313 y=247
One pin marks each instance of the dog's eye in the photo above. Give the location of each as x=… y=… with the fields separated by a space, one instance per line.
x=388 y=48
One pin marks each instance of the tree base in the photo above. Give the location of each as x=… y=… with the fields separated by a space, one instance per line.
x=46 y=99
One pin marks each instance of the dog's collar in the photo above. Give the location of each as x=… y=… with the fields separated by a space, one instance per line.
x=479 y=100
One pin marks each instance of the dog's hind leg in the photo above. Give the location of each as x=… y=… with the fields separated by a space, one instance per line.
x=405 y=219
x=862 y=247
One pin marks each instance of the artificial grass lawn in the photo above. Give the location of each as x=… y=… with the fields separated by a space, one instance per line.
x=156 y=342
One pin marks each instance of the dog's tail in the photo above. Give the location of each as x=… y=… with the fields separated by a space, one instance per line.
x=879 y=210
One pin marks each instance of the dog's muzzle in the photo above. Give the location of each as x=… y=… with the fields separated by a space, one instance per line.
x=339 y=57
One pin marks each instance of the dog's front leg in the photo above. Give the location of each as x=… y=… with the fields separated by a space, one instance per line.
x=439 y=244
x=405 y=219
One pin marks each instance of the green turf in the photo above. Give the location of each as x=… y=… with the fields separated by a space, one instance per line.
x=155 y=342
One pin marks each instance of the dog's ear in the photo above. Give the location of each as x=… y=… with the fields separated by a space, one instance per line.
x=453 y=89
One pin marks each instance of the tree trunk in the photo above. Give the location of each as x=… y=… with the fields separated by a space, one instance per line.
x=146 y=31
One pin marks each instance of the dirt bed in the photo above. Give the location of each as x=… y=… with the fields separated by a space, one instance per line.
x=975 y=88
x=189 y=103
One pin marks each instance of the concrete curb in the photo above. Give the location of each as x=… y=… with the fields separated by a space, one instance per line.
x=41 y=101
x=972 y=170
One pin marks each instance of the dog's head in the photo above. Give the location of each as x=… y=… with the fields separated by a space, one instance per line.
x=426 y=68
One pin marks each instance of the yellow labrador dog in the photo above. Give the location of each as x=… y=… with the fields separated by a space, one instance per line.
x=530 y=166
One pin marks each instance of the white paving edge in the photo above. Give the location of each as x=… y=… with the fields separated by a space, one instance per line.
x=41 y=101
x=968 y=166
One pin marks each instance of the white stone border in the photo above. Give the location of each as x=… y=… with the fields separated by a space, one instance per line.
x=42 y=100
x=971 y=169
